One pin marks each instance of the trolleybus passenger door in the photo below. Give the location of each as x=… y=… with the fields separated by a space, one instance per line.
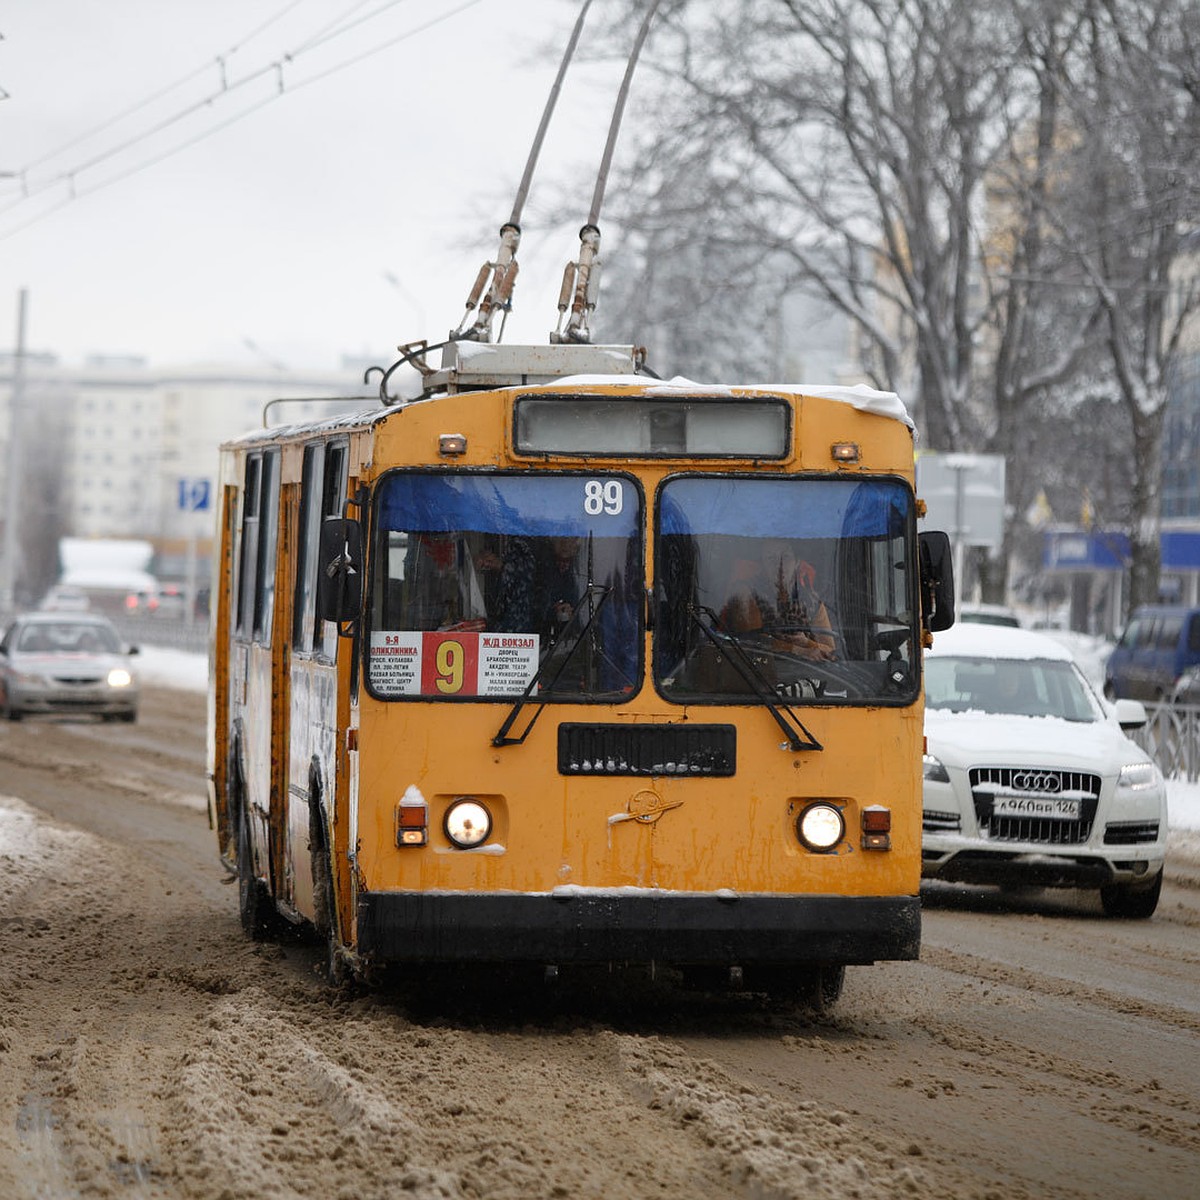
x=252 y=669
x=312 y=729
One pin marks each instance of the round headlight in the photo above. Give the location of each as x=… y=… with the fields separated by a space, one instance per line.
x=820 y=827
x=468 y=823
x=119 y=677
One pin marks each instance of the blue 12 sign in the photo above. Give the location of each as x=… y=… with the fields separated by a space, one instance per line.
x=193 y=495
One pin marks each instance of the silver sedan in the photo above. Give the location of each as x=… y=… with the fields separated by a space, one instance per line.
x=66 y=663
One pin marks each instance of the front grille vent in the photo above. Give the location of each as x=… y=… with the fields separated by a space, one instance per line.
x=691 y=751
x=1034 y=782
x=941 y=822
x=1129 y=833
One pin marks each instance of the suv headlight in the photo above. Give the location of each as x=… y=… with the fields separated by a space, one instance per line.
x=1139 y=777
x=933 y=770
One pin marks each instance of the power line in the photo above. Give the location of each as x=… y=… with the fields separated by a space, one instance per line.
x=325 y=34
x=339 y=26
x=155 y=96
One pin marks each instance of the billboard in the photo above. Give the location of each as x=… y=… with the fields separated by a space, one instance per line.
x=964 y=495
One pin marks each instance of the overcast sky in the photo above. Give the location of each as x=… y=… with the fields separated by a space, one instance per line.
x=342 y=215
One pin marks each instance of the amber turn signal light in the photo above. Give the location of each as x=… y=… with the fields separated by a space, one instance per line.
x=877 y=827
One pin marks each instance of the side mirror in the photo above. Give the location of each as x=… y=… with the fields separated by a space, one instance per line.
x=937 y=580
x=1130 y=714
x=339 y=582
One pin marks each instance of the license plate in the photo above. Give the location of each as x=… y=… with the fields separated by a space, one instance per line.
x=1053 y=808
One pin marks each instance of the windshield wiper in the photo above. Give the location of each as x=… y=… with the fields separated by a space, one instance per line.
x=559 y=658
x=799 y=738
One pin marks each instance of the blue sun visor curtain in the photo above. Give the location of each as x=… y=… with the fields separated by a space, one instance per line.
x=533 y=506
x=785 y=508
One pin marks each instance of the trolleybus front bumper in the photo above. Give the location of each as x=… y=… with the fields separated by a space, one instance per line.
x=581 y=926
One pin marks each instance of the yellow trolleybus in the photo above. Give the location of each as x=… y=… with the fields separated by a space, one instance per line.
x=565 y=664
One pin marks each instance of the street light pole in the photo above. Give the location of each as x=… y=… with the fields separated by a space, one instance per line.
x=12 y=505
x=959 y=466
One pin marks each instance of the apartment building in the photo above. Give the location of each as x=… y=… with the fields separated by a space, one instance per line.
x=117 y=448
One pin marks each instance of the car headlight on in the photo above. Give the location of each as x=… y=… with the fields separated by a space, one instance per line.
x=1139 y=777
x=933 y=770
x=820 y=827
x=468 y=823
x=118 y=677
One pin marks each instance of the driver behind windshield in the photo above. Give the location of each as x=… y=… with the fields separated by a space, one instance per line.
x=773 y=600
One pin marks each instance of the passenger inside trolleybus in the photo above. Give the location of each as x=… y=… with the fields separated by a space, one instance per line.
x=728 y=626
x=476 y=556
x=774 y=601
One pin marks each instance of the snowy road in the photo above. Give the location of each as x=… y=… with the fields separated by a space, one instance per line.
x=148 y=1050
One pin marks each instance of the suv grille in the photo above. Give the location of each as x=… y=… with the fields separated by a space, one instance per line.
x=1034 y=782
x=675 y=750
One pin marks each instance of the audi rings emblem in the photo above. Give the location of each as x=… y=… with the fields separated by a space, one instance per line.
x=1036 y=781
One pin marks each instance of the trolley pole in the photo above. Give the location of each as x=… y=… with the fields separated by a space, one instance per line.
x=12 y=491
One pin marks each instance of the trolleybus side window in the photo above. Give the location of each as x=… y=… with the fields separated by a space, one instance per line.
x=484 y=583
x=256 y=559
x=323 y=487
x=264 y=595
x=797 y=587
x=248 y=552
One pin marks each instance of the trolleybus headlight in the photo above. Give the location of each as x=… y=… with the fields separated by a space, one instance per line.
x=119 y=677
x=468 y=823
x=820 y=827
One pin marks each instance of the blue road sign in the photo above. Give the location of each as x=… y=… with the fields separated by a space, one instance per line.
x=193 y=495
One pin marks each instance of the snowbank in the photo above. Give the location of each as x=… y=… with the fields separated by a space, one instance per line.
x=161 y=667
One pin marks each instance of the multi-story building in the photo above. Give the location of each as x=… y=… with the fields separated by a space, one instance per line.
x=116 y=448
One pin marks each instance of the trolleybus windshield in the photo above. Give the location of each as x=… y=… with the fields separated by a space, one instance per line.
x=803 y=586
x=483 y=581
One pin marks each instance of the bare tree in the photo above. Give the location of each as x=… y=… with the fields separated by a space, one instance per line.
x=982 y=190
x=1134 y=168
x=851 y=144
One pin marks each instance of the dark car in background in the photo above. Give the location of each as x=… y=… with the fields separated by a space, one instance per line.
x=59 y=662
x=1158 y=645
x=166 y=601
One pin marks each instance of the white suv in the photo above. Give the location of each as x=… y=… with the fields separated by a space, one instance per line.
x=1029 y=777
